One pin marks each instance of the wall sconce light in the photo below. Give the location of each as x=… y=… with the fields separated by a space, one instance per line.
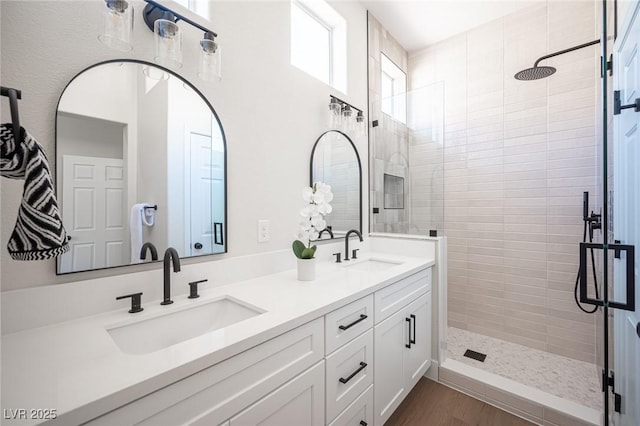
x=360 y=124
x=335 y=113
x=168 y=41
x=345 y=116
x=117 y=25
x=209 y=68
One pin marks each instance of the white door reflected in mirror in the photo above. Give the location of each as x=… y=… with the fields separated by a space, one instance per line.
x=131 y=134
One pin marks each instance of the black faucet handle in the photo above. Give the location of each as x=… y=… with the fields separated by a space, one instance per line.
x=338 y=257
x=354 y=253
x=193 y=288
x=136 y=302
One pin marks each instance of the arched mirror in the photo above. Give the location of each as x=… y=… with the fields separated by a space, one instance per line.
x=140 y=158
x=335 y=161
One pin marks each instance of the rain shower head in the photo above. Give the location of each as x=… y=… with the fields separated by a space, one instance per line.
x=534 y=73
x=538 y=72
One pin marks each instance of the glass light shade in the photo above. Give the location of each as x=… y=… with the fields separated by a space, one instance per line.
x=168 y=38
x=210 y=67
x=348 y=119
x=117 y=25
x=335 y=114
x=360 y=125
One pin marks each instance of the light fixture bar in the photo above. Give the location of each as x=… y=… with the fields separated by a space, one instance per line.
x=344 y=103
x=154 y=10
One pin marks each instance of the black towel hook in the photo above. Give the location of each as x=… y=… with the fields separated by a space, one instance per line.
x=13 y=95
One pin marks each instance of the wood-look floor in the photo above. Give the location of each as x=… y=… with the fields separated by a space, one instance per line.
x=433 y=404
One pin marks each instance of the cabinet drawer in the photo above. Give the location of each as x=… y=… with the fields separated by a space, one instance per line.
x=390 y=299
x=360 y=410
x=350 y=321
x=349 y=373
x=216 y=393
x=298 y=402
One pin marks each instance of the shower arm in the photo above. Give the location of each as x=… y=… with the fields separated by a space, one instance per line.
x=562 y=52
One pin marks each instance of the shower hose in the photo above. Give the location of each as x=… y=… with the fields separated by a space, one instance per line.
x=593 y=269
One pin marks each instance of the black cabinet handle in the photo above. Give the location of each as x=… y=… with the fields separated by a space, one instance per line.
x=413 y=318
x=348 y=326
x=363 y=423
x=363 y=365
x=408 y=345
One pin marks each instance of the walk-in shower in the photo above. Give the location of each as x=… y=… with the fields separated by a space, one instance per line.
x=499 y=167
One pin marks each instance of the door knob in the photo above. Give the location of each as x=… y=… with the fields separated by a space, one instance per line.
x=197 y=246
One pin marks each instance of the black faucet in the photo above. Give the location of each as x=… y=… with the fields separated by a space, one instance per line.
x=346 y=242
x=327 y=229
x=148 y=247
x=169 y=255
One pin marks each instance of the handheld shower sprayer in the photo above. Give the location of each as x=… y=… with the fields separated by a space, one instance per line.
x=591 y=221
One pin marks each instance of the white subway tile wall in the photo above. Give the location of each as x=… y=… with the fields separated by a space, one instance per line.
x=517 y=157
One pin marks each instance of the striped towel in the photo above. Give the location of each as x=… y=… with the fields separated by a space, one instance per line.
x=38 y=233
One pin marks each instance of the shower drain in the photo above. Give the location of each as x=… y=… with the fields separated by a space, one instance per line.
x=475 y=355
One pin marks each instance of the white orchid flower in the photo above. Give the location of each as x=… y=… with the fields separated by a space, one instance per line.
x=325 y=208
x=307 y=194
x=318 y=222
x=309 y=211
x=313 y=235
x=318 y=197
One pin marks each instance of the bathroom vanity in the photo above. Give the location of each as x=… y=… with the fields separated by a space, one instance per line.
x=344 y=349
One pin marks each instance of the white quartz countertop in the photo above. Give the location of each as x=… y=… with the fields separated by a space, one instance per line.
x=76 y=368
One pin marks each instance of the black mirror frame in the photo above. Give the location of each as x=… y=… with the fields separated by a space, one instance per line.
x=224 y=141
x=355 y=150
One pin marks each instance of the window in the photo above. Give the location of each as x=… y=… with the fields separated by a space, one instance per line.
x=318 y=42
x=201 y=7
x=394 y=90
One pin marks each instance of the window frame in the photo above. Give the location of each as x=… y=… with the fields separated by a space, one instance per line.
x=398 y=105
x=336 y=26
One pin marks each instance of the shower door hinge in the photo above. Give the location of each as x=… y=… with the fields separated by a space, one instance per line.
x=609 y=381
x=606 y=66
x=618 y=107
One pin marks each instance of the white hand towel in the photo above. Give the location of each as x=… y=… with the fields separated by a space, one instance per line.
x=137 y=220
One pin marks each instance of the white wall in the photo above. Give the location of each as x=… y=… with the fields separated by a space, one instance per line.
x=271 y=112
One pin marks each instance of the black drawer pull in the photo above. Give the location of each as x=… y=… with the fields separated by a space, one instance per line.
x=413 y=317
x=362 y=367
x=348 y=326
x=363 y=423
x=408 y=345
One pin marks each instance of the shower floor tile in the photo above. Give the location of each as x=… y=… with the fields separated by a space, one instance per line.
x=558 y=375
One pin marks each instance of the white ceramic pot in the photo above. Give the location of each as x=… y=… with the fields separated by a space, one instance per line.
x=306 y=269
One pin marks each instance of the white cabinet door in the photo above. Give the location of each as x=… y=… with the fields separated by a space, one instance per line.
x=418 y=355
x=298 y=402
x=402 y=355
x=359 y=413
x=390 y=338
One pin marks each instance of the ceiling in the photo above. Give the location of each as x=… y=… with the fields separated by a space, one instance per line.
x=416 y=24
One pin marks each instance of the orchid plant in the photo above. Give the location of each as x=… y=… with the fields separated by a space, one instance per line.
x=317 y=198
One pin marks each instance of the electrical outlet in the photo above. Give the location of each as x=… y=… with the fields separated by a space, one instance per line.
x=264 y=231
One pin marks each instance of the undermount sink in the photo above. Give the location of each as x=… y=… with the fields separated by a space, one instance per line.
x=162 y=331
x=373 y=265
